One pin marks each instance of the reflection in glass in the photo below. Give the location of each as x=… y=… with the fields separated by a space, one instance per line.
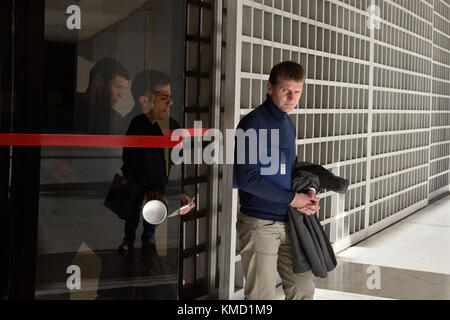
x=93 y=87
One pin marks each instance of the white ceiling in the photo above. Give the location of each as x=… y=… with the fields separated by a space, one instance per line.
x=96 y=16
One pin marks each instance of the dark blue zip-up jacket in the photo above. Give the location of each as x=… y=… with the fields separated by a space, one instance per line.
x=266 y=196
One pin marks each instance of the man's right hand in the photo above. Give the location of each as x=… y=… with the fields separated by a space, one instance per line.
x=310 y=209
x=307 y=204
x=301 y=200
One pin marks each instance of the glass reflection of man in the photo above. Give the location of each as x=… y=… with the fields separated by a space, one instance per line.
x=146 y=167
x=94 y=113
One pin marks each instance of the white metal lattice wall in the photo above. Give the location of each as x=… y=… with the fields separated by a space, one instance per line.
x=375 y=108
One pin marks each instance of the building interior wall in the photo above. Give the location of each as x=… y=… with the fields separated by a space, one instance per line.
x=375 y=106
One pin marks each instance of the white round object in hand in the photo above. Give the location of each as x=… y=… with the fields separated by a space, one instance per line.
x=154 y=212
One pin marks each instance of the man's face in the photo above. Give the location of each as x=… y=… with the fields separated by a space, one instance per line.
x=161 y=102
x=286 y=93
x=117 y=87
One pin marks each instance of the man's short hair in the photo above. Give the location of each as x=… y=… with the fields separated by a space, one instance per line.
x=289 y=70
x=108 y=68
x=146 y=81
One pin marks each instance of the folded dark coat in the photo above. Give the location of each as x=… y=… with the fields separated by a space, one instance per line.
x=327 y=180
x=311 y=248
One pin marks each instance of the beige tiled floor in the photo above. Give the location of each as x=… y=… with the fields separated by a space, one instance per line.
x=419 y=242
x=413 y=257
x=323 y=294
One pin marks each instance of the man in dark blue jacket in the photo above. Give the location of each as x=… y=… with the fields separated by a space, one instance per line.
x=264 y=189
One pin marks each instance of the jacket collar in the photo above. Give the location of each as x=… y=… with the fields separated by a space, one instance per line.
x=273 y=108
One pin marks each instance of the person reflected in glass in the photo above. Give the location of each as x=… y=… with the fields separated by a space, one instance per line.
x=94 y=108
x=146 y=168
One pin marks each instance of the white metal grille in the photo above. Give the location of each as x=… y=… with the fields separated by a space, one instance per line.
x=376 y=103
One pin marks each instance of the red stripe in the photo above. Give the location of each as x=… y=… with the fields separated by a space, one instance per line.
x=196 y=132
x=79 y=140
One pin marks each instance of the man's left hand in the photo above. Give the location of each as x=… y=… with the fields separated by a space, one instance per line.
x=311 y=209
x=312 y=194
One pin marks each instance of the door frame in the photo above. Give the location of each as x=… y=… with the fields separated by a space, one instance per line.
x=19 y=197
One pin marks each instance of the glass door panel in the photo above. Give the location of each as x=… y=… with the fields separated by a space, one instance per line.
x=103 y=61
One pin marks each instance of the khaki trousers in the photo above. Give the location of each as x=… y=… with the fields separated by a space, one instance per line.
x=265 y=249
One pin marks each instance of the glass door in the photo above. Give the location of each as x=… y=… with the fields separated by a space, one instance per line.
x=6 y=100
x=106 y=64
x=79 y=77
